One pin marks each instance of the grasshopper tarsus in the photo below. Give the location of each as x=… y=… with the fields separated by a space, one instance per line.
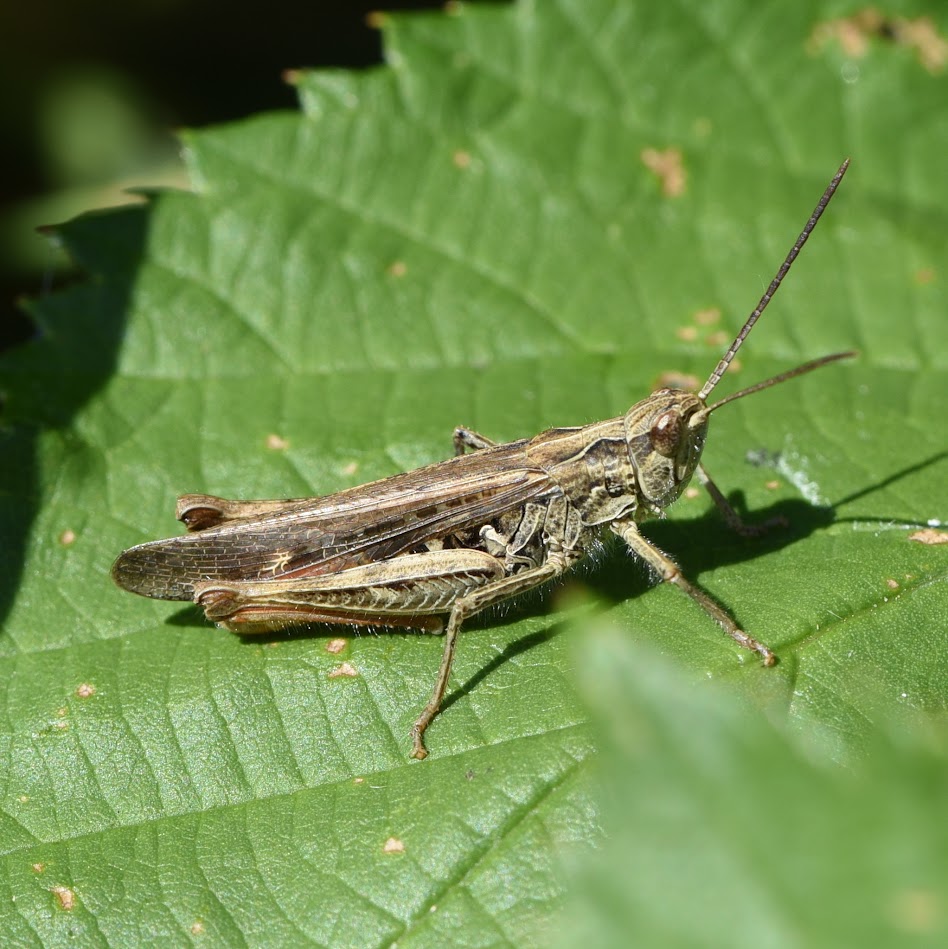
x=418 y=749
x=756 y=531
x=734 y=520
x=767 y=656
x=453 y=538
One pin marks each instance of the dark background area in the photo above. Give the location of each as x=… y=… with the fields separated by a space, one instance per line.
x=90 y=93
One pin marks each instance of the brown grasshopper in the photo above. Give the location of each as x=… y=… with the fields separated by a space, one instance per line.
x=452 y=538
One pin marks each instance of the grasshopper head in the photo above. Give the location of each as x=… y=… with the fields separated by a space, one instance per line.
x=665 y=434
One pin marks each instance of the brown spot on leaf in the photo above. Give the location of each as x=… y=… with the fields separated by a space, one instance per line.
x=461 y=158
x=85 y=690
x=853 y=33
x=65 y=897
x=924 y=276
x=397 y=268
x=343 y=671
x=667 y=167
x=67 y=537
x=707 y=317
x=672 y=379
x=687 y=333
x=922 y=35
x=276 y=443
x=335 y=646
x=929 y=536
x=393 y=845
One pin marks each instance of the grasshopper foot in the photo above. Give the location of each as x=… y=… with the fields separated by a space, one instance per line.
x=418 y=749
x=767 y=656
x=758 y=530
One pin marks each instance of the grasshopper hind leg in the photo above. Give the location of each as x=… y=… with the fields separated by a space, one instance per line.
x=414 y=591
x=464 y=608
x=229 y=608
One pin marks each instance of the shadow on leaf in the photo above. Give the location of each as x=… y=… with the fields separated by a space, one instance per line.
x=48 y=380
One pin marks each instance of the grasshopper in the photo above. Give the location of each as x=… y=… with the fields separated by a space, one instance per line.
x=446 y=541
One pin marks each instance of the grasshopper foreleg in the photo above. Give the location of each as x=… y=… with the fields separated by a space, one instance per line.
x=731 y=517
x=669 y=571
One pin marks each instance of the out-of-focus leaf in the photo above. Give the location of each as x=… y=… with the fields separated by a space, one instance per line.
x=722 y=829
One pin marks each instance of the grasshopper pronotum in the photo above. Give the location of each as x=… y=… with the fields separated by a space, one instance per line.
x=452 y=538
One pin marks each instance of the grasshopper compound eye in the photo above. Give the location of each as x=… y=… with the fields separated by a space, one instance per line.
x=665 y=434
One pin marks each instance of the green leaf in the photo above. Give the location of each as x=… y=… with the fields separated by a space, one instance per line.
x=467 y=236
x=722 y=827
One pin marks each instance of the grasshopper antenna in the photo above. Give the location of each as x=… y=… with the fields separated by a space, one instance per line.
x=782 y=377
x=721 y=367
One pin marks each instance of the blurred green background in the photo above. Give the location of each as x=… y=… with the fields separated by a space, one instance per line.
x=91 y=92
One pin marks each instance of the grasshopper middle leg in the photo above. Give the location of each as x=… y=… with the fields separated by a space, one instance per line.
x=464 y=439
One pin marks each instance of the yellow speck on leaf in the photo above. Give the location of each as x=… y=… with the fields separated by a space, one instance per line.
x=393 y=845
x=667 y=167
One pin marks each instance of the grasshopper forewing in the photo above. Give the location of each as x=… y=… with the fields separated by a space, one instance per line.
x=430 y=548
